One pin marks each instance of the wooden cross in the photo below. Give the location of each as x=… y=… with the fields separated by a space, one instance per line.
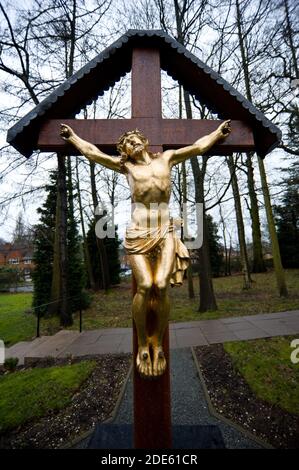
x=147 y=117
x=152 y=409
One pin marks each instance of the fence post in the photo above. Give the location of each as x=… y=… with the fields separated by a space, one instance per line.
x=38 y=323
x=80 y=312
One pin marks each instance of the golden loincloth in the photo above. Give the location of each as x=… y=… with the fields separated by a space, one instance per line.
x=147 y=241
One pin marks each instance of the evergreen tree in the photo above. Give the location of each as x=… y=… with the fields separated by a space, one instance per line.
x=215 y=248
x=44 y=236
x=94 y=258
x=287 y=220
x=75 y=269
x=112 y=249
x=43 y=247
x=216 y=255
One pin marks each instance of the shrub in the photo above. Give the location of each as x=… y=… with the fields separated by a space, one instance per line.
x=11 y=363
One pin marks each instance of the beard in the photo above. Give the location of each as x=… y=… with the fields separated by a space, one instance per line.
x=138 y=149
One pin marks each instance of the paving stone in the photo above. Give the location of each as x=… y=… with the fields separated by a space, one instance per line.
x=210 y=323
x=126 y=344
x=180 y=325
x=273 y=316
x=89 y=336
x=294 y=325
x=250 y=333
x=282 y=331
x=230 y=320
x=125 y=349
x=214 y=328
x=216 y=337
x=18 y=350
x=241 y=325
x=173 y=343
x=105 y=349
x=192 y=337
x=286 y=314
x=54 y=344
x=185 y=325
x=79 y=350
x=93 y=349
x=114 y=331
x=22 y=349
x=114 y=340
x=276 y=326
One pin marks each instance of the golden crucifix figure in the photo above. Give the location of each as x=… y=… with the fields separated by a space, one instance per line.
x=156 y=255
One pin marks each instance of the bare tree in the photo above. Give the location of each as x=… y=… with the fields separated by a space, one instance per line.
x=49 y=39
x=240 y=224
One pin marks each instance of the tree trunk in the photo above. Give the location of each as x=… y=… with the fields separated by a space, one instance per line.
x=229 y=260
x=59 y=291
x=189 y=269
x=207 y=297
x=183 y=199
x=240 y=224
x=207 y=300
x=258 y=261
x=279 y=272
x=224 y=242
x=85 y=245
x=258 y=265
x=105 y=281
x=290 y=34
x=56 y=277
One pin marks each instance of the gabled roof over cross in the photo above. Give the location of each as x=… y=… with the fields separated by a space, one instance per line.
x=145 y=53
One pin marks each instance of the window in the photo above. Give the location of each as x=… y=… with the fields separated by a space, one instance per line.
x=13 y=261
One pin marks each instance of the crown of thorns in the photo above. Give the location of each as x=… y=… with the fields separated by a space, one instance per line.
x=121 y=140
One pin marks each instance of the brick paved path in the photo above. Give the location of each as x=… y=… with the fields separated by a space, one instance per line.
x=196 y=333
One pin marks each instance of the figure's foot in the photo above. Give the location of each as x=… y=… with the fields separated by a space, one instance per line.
x=144 y=362
x=159 y=362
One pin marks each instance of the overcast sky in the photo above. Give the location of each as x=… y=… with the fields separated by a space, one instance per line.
x=274 y=160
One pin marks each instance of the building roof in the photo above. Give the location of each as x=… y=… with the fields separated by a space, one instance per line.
x=115 y=61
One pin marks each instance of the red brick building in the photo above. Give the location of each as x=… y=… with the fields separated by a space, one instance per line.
x=17 y=256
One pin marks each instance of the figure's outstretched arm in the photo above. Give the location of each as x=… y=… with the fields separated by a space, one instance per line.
x=201 y=146
x=89 y=150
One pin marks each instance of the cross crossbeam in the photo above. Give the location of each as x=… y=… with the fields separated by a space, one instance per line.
x=147 y=117
x=164 y=133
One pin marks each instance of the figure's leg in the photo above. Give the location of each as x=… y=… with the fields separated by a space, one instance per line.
x=144 y=279
x=162 y=275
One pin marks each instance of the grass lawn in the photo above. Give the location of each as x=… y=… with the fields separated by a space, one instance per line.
x=29 y=394
x=266 y=366
x=113 y=309
x=15 y=324
x=18 y=323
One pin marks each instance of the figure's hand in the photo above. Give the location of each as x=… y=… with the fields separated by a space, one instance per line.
x=224 y=129
x=66 y=131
